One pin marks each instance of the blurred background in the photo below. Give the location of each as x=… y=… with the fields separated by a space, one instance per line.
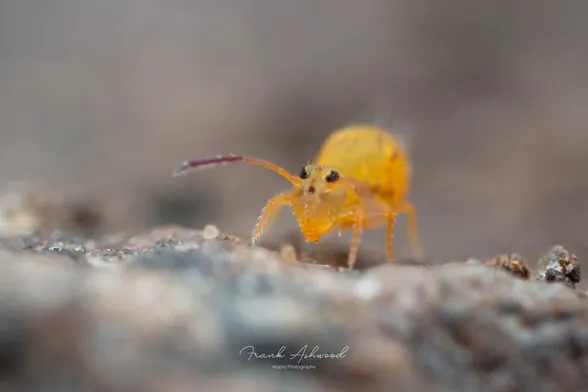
x=102 y=100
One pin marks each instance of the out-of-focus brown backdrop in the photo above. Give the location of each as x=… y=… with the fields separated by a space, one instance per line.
x=105 y=98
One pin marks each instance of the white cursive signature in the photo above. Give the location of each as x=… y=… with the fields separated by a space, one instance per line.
x=252 y=353
x=301 y=354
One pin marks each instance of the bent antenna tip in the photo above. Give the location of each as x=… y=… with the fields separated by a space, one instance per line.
x=181 y=169
x=204 y=163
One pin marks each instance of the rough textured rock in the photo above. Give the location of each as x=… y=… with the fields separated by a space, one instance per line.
x=174 y=309
x=560 y=266
x=513 y=263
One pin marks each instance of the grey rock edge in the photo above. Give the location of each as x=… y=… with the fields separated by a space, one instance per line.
x=181 y=310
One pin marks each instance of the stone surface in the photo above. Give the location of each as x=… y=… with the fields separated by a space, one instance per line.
x=174 y=309
x=560 y=266
x=513 y=263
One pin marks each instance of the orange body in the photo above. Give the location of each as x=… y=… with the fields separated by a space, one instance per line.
x=359 y=179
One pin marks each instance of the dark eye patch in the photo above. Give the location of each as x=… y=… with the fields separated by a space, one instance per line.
x=304 y=173
x=333 y=176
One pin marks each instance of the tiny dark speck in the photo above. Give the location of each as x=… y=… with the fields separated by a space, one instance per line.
x=311 y=189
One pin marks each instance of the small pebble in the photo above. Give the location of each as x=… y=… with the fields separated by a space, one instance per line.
x=210 y=232
x=288 y=253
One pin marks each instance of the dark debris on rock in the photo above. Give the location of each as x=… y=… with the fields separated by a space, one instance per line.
x=560 y=266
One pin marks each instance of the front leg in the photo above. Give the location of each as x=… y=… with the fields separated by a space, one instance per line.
x=355 y=239
x=269 y=214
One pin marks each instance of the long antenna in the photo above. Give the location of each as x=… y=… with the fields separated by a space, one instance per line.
x=223 y=160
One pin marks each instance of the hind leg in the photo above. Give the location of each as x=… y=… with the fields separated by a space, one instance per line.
x=413 y=229
x=390 y=237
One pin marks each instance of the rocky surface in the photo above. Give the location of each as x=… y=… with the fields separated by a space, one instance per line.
x=175 y=309
x=560 y=266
